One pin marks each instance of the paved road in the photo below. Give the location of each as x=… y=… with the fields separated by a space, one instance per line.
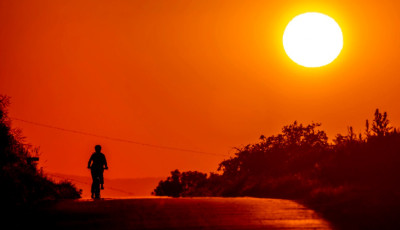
x=182 y=213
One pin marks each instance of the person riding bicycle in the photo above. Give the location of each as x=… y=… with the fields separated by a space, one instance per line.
x=97 y=163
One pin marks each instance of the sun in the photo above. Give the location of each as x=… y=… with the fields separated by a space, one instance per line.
x=313 y=39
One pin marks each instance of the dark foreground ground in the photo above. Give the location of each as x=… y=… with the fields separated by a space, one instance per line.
x=179 y=213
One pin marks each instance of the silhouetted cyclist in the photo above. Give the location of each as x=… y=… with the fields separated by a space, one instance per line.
x=97 y=163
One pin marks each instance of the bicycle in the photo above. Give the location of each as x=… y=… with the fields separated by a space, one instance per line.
x=95 y=189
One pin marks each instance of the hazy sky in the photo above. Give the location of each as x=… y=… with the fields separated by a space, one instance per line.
x=200 y=75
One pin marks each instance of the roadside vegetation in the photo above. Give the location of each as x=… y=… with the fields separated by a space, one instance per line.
x=352 y=181
x=23 y=186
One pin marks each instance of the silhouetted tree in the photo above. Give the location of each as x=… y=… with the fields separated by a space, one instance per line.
x=181 y=184
x=350 y=134
x=367 y=129
x=21 y=183
x=340 y=139
x=353 y=176
x=380 y=125
x=171 y=186
x=192 y=181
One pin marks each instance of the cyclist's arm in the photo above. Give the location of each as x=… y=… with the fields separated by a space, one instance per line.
x=105 y=163
x=90 y=161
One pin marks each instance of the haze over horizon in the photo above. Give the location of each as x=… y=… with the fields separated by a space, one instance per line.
x=200 y=75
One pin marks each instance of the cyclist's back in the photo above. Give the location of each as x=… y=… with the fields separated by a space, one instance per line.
x=97 y=163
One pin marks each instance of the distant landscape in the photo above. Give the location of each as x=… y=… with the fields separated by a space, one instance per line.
x=114 y=188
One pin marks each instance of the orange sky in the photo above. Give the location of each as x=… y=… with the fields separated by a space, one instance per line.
x=201 y=75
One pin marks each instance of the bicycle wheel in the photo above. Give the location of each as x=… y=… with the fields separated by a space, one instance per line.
x=96 y=188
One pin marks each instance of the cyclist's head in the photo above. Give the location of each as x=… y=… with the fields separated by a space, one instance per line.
x=97 y=148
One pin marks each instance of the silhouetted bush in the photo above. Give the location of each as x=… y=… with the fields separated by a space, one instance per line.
x=182 y=184
x=22 y=185
x=352 y=181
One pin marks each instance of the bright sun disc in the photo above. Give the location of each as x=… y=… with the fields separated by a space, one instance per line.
x=312 y=39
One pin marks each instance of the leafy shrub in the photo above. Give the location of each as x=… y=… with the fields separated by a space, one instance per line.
x=22 y=184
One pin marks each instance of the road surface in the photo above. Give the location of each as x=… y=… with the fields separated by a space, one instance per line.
x=181 y=213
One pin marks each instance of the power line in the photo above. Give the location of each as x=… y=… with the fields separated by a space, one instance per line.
x=116 y=139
